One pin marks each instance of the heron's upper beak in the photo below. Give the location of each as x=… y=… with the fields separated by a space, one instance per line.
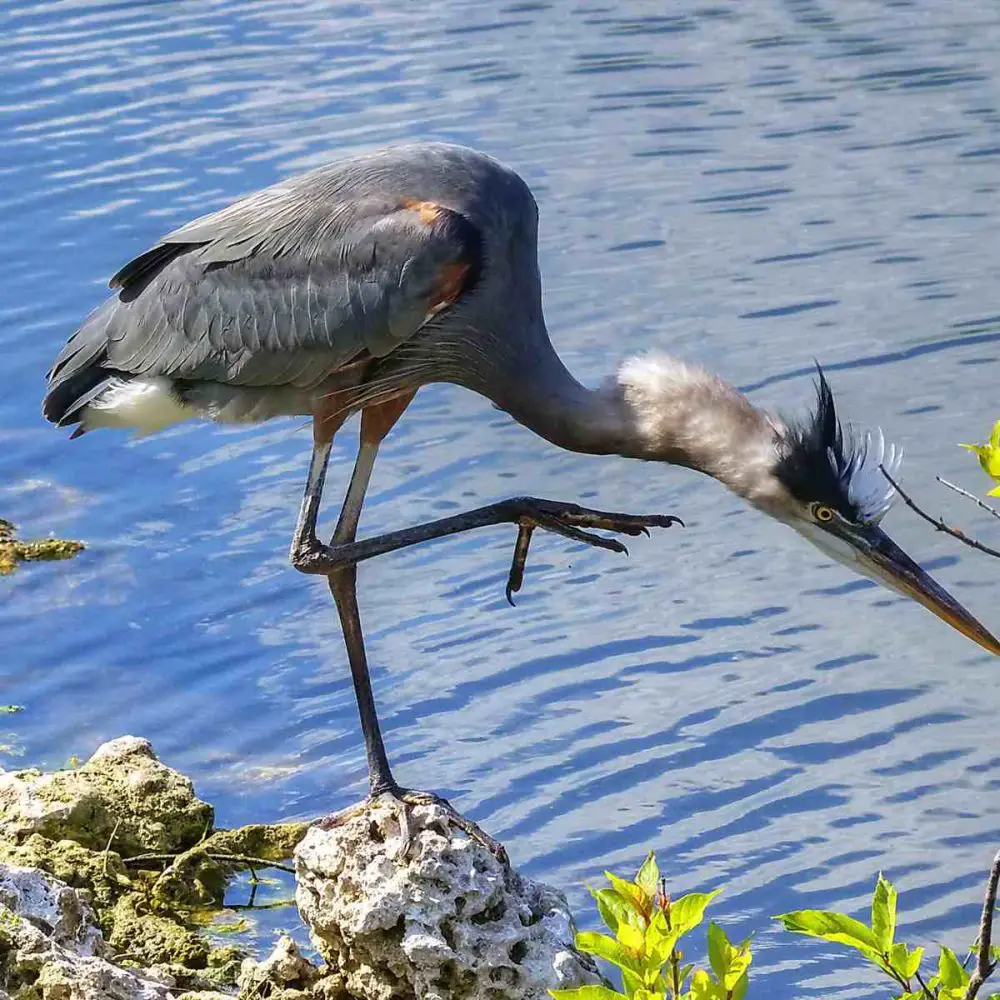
x=874 y=554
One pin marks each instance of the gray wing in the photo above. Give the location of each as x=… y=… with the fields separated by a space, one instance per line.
x=279 y=289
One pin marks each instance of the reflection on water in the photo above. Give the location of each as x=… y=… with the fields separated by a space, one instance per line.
x=751 y=186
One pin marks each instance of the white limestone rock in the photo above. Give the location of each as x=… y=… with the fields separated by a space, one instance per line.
x=123 y=793
x=50 y=944
x=285 y=967
x=445 y=922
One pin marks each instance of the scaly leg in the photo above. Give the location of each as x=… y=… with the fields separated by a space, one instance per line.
x=376 y=422
x=528 y=513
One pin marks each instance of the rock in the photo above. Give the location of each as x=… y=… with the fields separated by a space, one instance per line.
x=122 y=797
x=51 y=906
x=51 y=948
x=447 y=922
x=284 y=969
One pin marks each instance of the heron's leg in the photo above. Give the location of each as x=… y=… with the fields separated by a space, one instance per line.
x=305 y=544
x=376 y=422
x=528 y=513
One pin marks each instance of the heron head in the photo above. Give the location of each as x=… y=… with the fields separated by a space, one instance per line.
x=831 y=490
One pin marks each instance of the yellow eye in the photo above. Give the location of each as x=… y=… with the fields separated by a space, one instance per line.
x=822 y=514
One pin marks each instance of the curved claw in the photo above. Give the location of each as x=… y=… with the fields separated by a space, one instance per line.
x=569 y=521
x=516 y=576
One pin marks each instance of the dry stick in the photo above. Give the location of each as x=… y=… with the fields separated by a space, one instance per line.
x=971 y=496
x=938 y=522
x=984 y=967
x=104 y=866
x=239 y=859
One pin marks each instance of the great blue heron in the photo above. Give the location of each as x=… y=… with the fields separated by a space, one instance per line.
x=350 y=287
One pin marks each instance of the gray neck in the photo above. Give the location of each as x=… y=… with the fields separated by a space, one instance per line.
x=548 y=400
x=654 y=408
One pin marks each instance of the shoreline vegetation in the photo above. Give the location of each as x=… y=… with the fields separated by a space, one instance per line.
x=114 y=879
x=13 y=551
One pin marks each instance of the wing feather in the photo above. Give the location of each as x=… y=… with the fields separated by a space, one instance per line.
x=281 y=288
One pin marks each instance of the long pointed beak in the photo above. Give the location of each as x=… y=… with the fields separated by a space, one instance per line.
x=879 y=557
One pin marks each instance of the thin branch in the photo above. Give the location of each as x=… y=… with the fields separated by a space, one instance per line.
x=923 y=986
x=984 y=967
x=938 y=523
x=107 y=849
x=239 y=859
x=972 y=496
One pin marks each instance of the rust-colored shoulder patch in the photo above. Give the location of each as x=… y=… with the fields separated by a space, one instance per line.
x=451 y=282
x=428 y=211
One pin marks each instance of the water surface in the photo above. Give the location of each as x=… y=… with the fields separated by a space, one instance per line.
x=749 y=186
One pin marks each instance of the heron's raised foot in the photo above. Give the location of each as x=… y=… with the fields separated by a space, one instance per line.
x=402 y=800
x=569 y=519
x=309 y=555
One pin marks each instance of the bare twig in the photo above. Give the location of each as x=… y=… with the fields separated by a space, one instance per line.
x=239 y=859
x=984 y=966
x=938 y=523
x=972 y=496
x=107 y=849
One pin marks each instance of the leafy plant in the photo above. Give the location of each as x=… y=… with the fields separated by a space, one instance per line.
x=989 y=457
x=877 y=943
x=646 y=927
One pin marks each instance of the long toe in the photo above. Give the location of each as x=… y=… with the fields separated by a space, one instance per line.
x=341 y=816
x=411 y=798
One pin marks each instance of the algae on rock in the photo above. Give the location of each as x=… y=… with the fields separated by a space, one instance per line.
x=13 y=551
x=130 y=836
x=125 y=866
x=52 y=949
x=122 y=798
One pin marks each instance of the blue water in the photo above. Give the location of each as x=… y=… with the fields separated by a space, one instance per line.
x=748 y=185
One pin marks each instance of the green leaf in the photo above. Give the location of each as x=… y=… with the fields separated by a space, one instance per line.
x=739 y=991
x=633 y=894
x=835 y=927
x=648 y=877
x=884 y=914
x=607 y=948
x=632 y=938
x=688 y=911
x=660 y=940
x=702 y=987
x=613 y=909
x=686 y=971
x=588 y=993
x=728 y=963
x=717 y=955
x=631 y=981
x=950 y=971
x=904 y=961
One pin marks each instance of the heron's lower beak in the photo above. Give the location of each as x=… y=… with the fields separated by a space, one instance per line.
x=879 y=557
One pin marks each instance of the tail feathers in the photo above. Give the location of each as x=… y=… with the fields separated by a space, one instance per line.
x=79 y=373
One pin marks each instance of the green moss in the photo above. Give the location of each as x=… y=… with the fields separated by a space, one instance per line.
x=13 y=552
x=131 y=835
x=130 y=801
x=270 y=841
x=101 y=875
x=143 y=937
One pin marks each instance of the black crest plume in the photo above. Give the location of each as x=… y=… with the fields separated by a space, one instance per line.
x=822 y=464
